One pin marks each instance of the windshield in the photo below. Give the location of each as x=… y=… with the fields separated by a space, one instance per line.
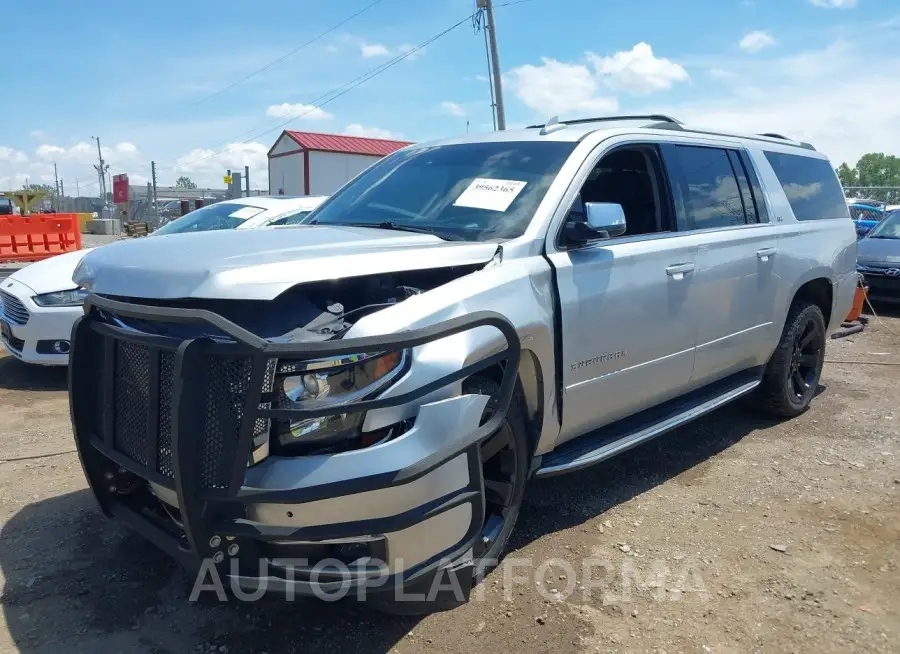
x=887 y=228
x=470 y=191
x=222 y=215
x=292 y=219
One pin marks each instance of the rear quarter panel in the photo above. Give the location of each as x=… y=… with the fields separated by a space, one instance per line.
x=808 y=250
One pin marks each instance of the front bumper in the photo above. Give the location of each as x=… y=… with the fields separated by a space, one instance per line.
x=882 y=287
x=45 y=325
x=164 y=452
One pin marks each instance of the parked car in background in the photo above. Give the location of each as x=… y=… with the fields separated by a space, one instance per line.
x=865 y=216
x=39 y=303
x=878 y=259
x=6 y=207
x=361 y=402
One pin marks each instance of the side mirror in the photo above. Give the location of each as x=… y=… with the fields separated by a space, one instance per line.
x=605 y=218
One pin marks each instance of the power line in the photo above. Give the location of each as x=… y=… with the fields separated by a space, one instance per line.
x=334 y=94
x=288 y=54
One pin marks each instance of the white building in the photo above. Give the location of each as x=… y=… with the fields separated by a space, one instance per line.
x=309 y=163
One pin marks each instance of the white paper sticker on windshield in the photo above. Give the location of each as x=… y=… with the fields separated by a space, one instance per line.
x=491 y=194
x=245 y=213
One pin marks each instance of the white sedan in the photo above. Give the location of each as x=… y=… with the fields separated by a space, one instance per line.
x=39 y=303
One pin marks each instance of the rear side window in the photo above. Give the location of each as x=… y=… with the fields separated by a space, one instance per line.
x=707 y=194
x=810 y=185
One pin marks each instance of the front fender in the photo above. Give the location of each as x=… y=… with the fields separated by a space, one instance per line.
x=520 y=290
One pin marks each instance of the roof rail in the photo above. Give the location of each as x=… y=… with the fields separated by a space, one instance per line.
x=662 y=122
x=577 y=121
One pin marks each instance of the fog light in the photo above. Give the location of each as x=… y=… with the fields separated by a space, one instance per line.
x=52 y=347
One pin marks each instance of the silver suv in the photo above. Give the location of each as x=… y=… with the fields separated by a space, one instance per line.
x=358 y=402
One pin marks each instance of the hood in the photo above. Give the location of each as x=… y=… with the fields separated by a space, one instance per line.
x=878 y=250
x=53 y=274
x=261 y=264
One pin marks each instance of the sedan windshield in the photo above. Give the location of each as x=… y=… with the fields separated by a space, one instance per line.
x=292 y=218
x=887 y=228
x=471 y=191
x=213 y=217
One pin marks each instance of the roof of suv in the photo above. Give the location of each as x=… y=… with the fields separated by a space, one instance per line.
x=577 y=129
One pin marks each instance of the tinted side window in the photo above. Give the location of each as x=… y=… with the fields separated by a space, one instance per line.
x=810 y=185
x=707 y=192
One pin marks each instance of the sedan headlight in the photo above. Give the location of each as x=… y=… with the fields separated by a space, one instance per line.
x=73 y=298
x=328 y=383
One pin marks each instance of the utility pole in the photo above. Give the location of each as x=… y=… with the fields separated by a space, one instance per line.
x=487 y=55
x=488 y=7
x=56 y=177
x=101 y=171
x=77 y=188
x=247 y=179
x=153 y=177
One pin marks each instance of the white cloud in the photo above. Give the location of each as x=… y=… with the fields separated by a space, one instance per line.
x=835 y=4
x=86 y=153
x=638 y=70
x=9 y=155
x=452 y=109
x=49 y=150
x=373 y=50
x=481 y=78
x=561 y=88
x=557 y=88
x=126 y=148
x=756 y=41
x=38 y=134
x=298 y=111
x=355 y=129
x=206 y=167
x=370 y=50
x=719 y=73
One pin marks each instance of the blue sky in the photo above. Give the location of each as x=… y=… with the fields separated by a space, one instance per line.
x=141 y=79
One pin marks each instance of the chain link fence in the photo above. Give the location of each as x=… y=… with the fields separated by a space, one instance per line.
x=883 y=196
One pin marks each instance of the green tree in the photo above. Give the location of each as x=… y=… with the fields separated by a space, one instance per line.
x=184 y=182
x=46 y=189
x=878 y=169
x=874 y=169
x=847 y=175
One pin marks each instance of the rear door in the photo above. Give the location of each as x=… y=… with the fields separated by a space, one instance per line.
x=718 y=201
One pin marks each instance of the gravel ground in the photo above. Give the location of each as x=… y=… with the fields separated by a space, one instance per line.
x=734 y=534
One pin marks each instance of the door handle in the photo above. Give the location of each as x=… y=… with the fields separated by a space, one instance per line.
x=678 y=270
x=763 y=254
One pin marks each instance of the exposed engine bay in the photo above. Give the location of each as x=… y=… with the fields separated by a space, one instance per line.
x=318 y=311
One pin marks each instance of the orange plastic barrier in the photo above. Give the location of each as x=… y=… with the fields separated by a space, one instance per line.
x=38 y=236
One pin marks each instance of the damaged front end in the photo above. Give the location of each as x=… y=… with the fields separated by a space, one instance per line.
x=230 y=442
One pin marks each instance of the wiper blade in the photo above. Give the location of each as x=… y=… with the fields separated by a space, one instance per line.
x=404 y=228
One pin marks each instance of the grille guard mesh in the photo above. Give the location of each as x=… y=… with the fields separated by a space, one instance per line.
x=202 y=401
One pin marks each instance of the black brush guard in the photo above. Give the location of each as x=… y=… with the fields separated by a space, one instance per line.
x=184 y=413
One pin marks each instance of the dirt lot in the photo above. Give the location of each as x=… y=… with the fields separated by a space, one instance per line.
x=736 y=534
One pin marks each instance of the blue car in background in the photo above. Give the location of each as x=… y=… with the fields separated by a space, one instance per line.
x=865 y=217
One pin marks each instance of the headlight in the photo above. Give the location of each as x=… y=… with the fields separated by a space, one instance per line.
x=73 y=298
x=331 y=382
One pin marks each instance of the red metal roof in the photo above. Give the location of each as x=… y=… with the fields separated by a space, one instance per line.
x=346 y=144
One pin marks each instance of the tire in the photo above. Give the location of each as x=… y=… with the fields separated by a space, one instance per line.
x=792 y=374
x=487 y=554
x=520 y=457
